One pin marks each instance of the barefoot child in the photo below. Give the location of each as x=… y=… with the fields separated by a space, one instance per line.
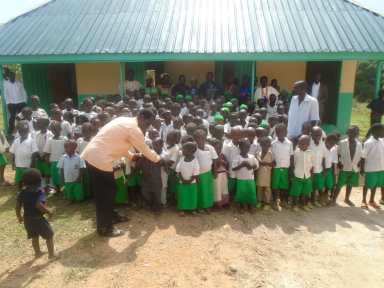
x=263 y=174
x=188 y=171
x=53 y=150
x=31 y=200
x=244 y=166
x=172 y=154
x=350 y=153
x=4 y=146
x=206 y=156
x=221 y=197
x=373 y=165
x=24 y=151
x=282 y=152
x=72 y=169
x=302 y=181
x=317 y=147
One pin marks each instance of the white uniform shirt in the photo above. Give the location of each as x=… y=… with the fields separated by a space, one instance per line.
x=81 y=144
x=164 y=130
x=319 y=152
x=331 y=157
x=71 y=166
x=205 y=158
x=315 y=90
x=172 y=154
x=373 y=153
x=89 y=115
x=345 y=155
x=23 y=151
x=14 y=93
x=303 y=163
x=308 y=110
x=132 y=86
x=245 y=173
x=55 y=148
x=188 y=169
x=255 y=147
x=282 y=152
x=66 y=129
x=41 y=140
x=230 y=151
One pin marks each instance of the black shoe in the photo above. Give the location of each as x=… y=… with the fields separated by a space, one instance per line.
x=114 y=232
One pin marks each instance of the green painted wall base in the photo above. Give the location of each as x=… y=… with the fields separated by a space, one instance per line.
x=344 y=111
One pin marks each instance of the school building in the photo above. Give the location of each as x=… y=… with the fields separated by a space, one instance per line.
x=80 y=48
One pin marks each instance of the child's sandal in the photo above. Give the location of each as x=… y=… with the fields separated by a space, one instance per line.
x=364 y=206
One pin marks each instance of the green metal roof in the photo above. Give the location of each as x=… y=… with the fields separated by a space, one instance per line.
x=139 y=30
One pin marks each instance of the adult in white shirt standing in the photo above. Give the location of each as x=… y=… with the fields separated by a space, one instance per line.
x=131 y=85
x=319 y=90
x=263 y=92
x=15 y=98
x=303 y=108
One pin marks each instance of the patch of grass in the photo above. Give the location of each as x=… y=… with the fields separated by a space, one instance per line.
x=361 y=117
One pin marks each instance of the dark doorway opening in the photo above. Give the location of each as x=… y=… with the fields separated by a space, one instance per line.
x=62 y=79
x=330 y=74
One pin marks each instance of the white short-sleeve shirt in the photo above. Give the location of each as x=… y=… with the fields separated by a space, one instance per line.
x=172 y=154
x=373 y=153
x=303 y=163
x=282 y=152
x=345 y=155
x=81 y=144
x=245 y=173
x=188 y=169
x=41 y=140
x=331 y=157
x=230 y=152
x=55 y=148
x=308 y=110
x=23 y=151
x=71 y=166
x=66 y=129
x=318 y=155
x=205 y=158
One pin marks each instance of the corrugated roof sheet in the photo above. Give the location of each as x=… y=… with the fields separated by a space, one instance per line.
x=66 y=27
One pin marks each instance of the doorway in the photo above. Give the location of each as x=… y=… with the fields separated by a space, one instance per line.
x=330 y=74
x=62 y=82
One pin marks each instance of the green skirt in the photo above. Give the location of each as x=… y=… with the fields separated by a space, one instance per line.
x=122 y=190
x=205 y=191
x=134 y=179
x=44 y=167
x=246 y=192
x=55 y=174
x=73 y=191
x=187 y=196
x=3 y=160
x=86 y=184
x=19 y=174
x=231 y=185
x=329 y=179
x=173 y=183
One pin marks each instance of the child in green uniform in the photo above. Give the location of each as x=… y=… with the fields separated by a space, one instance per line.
x=42 y=136
x=4 y=146
x=350 y=153
x=72 y=169
x=53 y=150
x=244 y=166
x=373 y=165
x=24 y=151
x=317 y=147
x=188 y=171
x=303 y=167
x=282 y=152
x=331 y=160
x=206 y=156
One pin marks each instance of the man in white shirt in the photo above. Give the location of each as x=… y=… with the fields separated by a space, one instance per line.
x=263 y=92
x=303 y=108
x=319 y=90
x=131 y=85
x=15 y=98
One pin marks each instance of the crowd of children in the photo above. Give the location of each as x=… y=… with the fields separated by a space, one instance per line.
x=214 y=152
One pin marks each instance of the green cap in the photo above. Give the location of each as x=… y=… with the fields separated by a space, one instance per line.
x=228 y=105
x=243 y=107
x=179 y=98
x=225 y=109
x=218 y=117
x=188 y=98
x=264 y=124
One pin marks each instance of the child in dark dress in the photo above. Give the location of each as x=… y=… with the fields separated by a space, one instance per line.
x=32 y=200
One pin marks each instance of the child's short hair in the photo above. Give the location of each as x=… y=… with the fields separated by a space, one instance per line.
x=376 y=128
x=31 y=177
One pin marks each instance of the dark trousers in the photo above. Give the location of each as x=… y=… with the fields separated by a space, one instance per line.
x=13 y=110
x=103 y=186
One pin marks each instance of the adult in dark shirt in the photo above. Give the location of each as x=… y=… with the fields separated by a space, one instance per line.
x=377 y=108
x=209 y=89
x=180 y=88
x=31 y=200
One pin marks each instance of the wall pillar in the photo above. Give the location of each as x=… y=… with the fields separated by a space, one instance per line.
x=122 y=80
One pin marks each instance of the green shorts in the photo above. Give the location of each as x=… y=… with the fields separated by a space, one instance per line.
x=301 y=187
x=19 y=174
x=55 y=174
x=349 y=178
x=318 y=181
x=280 y=178
x=329 y=179
x=74 y=191
x=374 y=179
x=3 y=160
x=44 y=167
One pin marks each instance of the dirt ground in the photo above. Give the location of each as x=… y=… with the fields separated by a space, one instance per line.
x=328 y=247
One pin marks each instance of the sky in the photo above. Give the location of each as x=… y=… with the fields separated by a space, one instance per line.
x=13 y=8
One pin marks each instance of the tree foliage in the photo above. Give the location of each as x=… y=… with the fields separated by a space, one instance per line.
x=365 y=81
